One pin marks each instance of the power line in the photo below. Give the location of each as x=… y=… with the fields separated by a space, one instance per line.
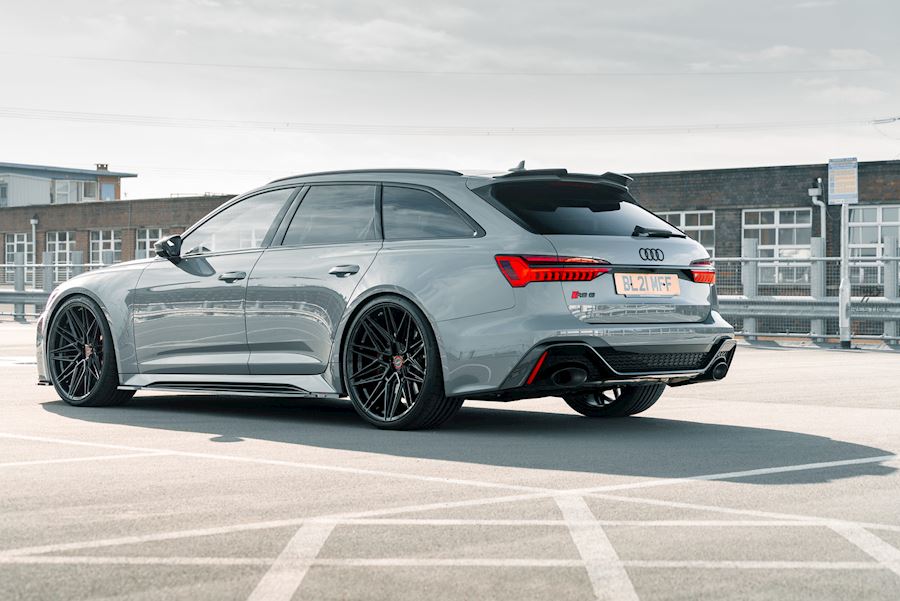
x=411 y=130
x=363 y=70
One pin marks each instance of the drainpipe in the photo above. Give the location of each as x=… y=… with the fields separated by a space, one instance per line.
x=815 y=194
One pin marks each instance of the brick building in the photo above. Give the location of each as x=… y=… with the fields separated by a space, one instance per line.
x=718 y=207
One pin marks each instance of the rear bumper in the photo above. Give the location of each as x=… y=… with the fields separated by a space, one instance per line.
x=675 y=365
x=494 y=353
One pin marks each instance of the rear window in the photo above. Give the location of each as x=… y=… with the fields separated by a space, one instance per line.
x=576 y=208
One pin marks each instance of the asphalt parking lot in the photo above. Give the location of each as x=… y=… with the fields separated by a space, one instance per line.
x=780 y=482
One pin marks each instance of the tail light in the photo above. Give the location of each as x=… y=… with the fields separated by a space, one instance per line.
x=703 y=272
x=521 y=270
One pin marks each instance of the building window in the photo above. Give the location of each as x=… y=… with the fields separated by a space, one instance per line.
x=61 y=191
x=105 y=240
x=869 y=226
x=781 y=234
x=107 y=191
x=60 y=245
x=4 y=194
x=699 y=225
x=87 y=191
x=144 y=242
x=17 y=243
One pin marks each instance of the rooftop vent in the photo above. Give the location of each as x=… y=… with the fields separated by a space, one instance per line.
x=102 y=166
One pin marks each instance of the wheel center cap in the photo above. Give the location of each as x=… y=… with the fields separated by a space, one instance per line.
x=397 y=362
x=88 y=351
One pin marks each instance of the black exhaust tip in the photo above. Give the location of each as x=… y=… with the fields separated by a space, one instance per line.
x=719 y=370
x=569 y=376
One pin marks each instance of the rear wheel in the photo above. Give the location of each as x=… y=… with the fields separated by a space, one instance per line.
x=392 y=367
x=620 y=401
x=81 y=356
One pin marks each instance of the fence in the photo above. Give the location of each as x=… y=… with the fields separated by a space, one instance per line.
x=23 y=285
x=799 y=296
x=759 y=295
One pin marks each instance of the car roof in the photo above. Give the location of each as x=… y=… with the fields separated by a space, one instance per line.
x=609 y=177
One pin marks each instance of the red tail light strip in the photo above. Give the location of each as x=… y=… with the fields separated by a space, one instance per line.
x=520 y=271
x=703 y=271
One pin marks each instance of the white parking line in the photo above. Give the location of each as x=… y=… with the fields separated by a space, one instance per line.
x=287 y=573
x=605 y=570
x=80 y=459
x=515 y=522
x=282 y=463
x=440 y=562
x=818 y=521
x=734 y=475
x=875 y=547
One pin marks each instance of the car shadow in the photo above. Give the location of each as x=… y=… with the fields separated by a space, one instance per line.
x=636 y=446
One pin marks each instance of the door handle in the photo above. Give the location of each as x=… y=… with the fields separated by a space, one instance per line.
x=343 y=271
x=232 y=276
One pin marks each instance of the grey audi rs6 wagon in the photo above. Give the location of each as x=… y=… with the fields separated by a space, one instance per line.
x=407 y=291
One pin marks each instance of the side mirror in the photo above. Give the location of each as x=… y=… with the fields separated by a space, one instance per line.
x=168 y=247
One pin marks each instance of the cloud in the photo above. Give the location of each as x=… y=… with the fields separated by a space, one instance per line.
x=856 y=95
x=850 y=58
x=816 y=4
x=778 y=52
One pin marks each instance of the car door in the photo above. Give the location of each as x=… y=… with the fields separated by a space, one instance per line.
x=189 y=311
x=300 y=287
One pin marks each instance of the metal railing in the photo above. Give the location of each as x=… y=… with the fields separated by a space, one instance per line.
x=799 y=296
x=25 y=285
x=760 y=296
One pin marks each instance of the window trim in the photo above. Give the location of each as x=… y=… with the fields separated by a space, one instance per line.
x=281 y=234
x=477 y=230
x=270 y=234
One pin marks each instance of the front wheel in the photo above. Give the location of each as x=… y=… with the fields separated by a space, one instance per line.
x=392 y=367
x=81 y=356
x=620 y=401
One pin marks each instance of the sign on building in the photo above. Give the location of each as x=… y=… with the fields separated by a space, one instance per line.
x=843 y=183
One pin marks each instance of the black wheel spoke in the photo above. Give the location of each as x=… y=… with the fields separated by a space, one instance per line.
x=75 y=350
x=386 y=363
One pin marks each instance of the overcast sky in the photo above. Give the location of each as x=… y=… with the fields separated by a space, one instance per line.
x=224 y=95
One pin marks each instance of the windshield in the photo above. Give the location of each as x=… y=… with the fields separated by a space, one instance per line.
x=576 y=208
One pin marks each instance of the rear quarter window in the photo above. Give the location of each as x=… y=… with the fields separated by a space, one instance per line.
x=413 y=214
x=574 y=208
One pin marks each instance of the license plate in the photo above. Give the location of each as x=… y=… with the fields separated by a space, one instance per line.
x=647 y=284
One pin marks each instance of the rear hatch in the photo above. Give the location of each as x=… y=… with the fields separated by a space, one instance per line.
x=647 y=277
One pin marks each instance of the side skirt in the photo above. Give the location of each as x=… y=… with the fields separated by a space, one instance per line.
x=314 y=386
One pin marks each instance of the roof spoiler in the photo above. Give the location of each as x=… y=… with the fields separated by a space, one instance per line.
x=610 y=176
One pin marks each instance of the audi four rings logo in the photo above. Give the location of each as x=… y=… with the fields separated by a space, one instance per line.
x=651 y=254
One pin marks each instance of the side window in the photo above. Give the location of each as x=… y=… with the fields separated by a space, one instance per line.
x=334 y=214
x=410 y=214
x=242 y=225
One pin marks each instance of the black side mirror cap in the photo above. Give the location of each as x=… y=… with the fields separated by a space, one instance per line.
x=168 y=247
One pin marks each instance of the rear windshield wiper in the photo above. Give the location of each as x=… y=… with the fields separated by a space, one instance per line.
x=655 y=233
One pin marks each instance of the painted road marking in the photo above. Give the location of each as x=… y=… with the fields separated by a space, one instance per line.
x=287 y=573
x=605 y=570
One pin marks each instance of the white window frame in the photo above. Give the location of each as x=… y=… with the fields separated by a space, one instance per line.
x=692 y=230
x=14 y=241
x=103 y=240
x=144 y=239
x=867 y=273
x=62 y=188
x=83 y=188
x=61 y=245
x=772 y=273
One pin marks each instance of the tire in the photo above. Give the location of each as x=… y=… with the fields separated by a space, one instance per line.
x=81 y=358
x=616 y=402
x=391 y=367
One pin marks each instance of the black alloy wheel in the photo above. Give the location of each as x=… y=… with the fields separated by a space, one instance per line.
x=392 y=368
x=620 y=401
x=81 y=357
